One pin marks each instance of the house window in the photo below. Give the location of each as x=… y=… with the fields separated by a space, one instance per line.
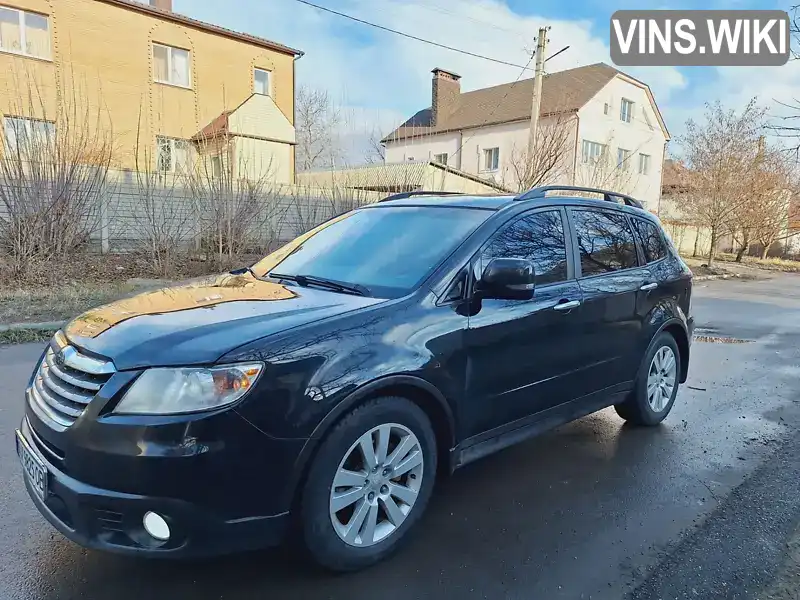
x=216 y=166
x=626 y=110
x=491 y=159
x=171 y=65
x=592 y=152
x=24 y=32
x=261 y=82
x=644 y=164
x=623 y=157
x=441 y=158
x=173 y=155
x=606 y=108
x=27 y=135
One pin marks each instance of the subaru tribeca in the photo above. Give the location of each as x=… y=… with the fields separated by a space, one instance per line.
x=325 y=387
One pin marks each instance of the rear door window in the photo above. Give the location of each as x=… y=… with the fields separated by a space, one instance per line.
x=605 y=241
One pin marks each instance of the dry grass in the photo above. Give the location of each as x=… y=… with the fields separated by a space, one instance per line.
x=57 y=303
x=771 y=263
x=25 y=336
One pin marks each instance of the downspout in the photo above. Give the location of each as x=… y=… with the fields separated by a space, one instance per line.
x=575 y=155
x=294 y=114
x=661 y=179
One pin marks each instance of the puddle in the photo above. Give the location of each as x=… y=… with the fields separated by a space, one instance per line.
x=714 y=339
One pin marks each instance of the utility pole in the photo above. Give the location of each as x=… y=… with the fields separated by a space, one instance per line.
x=541 y=45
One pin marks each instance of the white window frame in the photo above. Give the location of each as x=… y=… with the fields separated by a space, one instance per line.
x=626 y=108
x=623 y=159
x=169 y=49
x=592 y=152
x=437 y=158
x=163 y=140
x=644 y=164
x=269 y=81
x=491 y=159
x=28 y=124
x=22 y=34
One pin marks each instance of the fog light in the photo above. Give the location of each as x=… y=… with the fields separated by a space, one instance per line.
x=156 y=526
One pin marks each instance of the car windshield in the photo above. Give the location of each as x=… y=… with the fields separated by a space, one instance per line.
x=387 y=250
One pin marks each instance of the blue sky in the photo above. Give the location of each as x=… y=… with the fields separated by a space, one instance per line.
x=382 y=78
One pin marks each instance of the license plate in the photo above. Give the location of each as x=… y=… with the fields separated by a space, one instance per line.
x=34 y=469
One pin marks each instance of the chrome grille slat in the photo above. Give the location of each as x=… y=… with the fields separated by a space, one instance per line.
x=65 y=383
x=55 y=402
x=52 y=382
x=71 y=378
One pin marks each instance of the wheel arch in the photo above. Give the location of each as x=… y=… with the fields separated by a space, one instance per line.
x=677 y=329
x=421 y=392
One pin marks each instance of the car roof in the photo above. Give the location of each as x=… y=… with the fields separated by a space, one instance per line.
x=497 y=202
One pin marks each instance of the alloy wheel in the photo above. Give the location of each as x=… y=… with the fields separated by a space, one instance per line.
x=376 y=485
x=661 y=378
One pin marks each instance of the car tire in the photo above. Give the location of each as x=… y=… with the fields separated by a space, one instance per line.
x=652 y=397
x=386 y=507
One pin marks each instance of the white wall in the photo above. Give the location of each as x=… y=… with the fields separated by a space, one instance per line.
x=642 y=135
x=424 y=149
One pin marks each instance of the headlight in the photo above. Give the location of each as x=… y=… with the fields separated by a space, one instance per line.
x=186 y=390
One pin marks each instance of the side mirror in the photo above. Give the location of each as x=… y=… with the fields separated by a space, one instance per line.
x=507 y=279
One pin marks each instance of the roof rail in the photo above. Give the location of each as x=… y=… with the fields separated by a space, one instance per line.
x=608 y=196
x=401 y=195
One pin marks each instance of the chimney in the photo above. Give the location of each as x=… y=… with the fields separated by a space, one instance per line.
x=162 y=4
x=445 y=92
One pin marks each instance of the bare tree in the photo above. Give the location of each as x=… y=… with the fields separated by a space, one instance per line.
x=722 y=154
x=239 y=208
x=376 y=152
x=317 y=120
x=53 y=172
x=608 y=170
x=549 y=161
x=163 y=221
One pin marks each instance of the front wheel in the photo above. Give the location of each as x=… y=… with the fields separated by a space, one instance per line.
x=369 y=484
x=656 y=386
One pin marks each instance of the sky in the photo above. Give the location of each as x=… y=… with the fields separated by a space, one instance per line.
x=381 y=78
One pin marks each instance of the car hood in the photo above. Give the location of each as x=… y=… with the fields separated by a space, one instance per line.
x=201 y=320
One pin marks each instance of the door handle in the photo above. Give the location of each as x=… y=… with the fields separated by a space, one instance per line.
x=567 y=305
x=648 y=286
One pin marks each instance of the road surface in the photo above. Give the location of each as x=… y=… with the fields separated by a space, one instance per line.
x=699 y=507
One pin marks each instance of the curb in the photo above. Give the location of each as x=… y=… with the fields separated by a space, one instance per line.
x=713 y=277
x=46 y=326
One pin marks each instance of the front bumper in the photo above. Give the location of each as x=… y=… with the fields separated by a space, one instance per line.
x=105 y=519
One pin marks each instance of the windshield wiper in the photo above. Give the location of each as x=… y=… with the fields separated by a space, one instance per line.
x=338 y=286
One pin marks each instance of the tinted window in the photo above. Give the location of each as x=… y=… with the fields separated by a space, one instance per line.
x=390 y=250
x=651 y=240
x=605 y=241
x=539 y=238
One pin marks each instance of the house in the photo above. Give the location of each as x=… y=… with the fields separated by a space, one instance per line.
x=401 y=177
x=598 y=127
x=168 y=89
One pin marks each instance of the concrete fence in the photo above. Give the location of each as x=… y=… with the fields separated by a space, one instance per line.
x=133 y=209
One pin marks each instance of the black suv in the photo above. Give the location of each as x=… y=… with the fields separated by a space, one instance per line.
x=325 y=387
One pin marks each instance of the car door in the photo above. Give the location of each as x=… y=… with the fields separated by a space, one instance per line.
x=611 y=279
x=520 y=352
x=664 y=277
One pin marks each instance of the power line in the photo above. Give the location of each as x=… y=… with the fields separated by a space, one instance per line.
x=414 y=37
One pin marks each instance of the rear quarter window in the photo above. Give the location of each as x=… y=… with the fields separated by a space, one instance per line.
x=651 y=239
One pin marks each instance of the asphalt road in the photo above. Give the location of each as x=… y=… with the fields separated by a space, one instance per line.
x=697 y=508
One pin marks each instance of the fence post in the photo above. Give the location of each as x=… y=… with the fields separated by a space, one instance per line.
x=104 y=199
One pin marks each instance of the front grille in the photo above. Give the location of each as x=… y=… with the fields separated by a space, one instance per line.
x=66 y=382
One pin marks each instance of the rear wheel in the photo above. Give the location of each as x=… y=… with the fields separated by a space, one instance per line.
x=369 y=484
x=656 y=385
